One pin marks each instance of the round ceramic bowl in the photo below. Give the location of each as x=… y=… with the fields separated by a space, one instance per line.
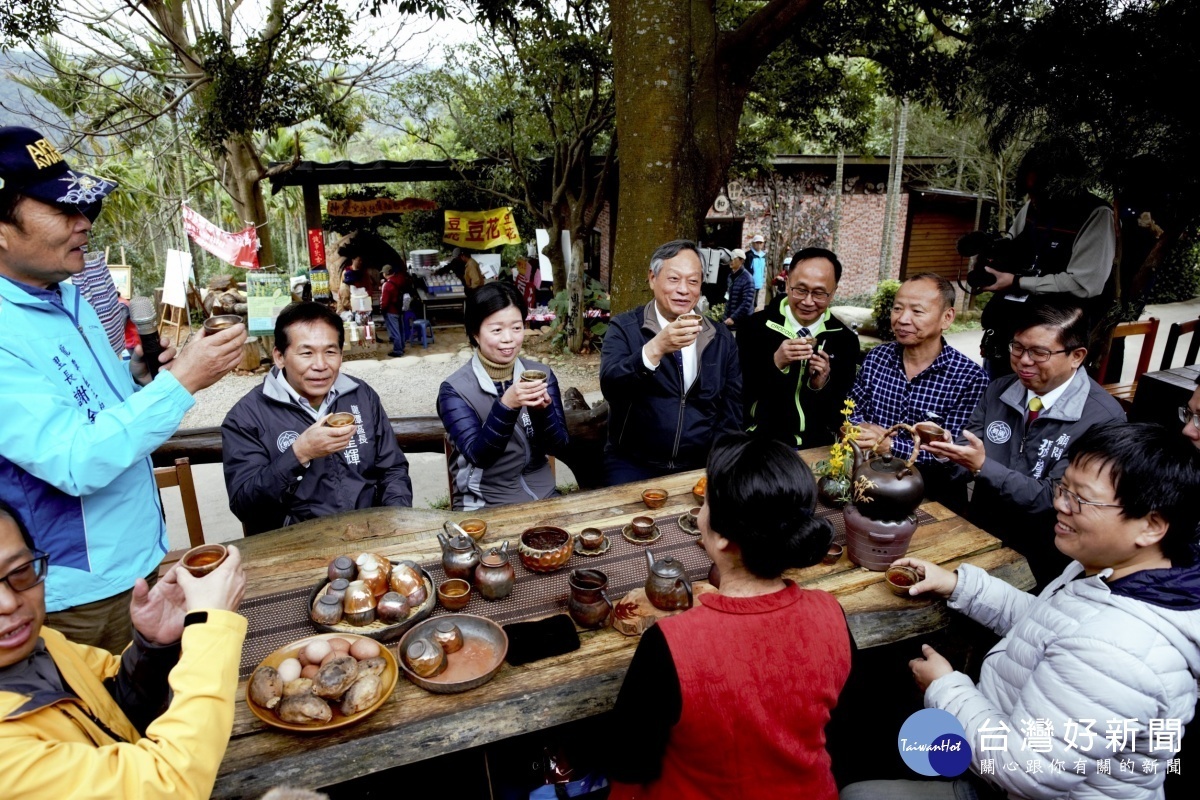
x=901 y=579
x=545 y=548
x=654 y=498
x=591 y=538
x=478 y=660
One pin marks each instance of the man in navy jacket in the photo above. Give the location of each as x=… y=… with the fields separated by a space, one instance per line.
x=283 y=463
x=671 y=376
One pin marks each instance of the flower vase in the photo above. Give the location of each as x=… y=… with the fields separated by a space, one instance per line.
x=833 y=491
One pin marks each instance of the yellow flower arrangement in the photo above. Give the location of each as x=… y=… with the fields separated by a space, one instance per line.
x=841 y=455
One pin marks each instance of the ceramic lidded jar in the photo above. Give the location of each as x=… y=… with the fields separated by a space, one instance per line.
x=495 y=576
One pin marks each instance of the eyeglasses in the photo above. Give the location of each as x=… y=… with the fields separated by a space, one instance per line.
x=1075 y=503
x=1186 y=415
x=27 y=575
x=818 y=295
x=1039 y=355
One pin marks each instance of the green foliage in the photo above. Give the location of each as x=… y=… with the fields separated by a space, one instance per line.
x=594 y=297
x=441 y=503
x=716 y=312
x=881 y=308
x=24 y=21
x=1177 y=278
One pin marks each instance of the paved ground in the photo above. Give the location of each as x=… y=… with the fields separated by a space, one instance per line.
x=409 y=386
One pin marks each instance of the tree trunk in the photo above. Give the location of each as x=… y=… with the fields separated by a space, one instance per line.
x=839 y=177
x=241 y=175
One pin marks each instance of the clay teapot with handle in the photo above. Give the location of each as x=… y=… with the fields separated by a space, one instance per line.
x=667 y=584
x=460 y=556
x=893 y=487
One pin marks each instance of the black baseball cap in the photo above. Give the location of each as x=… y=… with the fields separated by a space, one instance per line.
x=32 y=165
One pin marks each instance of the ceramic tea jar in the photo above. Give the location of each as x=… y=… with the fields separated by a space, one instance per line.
x=460 y=556
x=589 y=604
x=667 y=584
x=495 y=576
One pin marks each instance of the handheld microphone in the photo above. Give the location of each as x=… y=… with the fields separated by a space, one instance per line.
x=141 y=311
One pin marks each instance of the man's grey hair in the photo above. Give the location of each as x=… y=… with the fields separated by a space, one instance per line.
x=670 y=250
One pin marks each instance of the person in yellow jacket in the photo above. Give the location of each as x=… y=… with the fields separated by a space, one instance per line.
x=76 y=721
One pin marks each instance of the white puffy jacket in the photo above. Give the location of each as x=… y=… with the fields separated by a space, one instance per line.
x=1082 y=650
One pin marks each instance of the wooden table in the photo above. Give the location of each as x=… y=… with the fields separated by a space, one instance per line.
x=414 y=725
x=1161 y=394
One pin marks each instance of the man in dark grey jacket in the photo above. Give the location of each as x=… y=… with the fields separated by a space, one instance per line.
x=671 y=376
x=1015 y=443
x=283 y=462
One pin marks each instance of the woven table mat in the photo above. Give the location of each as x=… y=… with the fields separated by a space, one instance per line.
x=280 y=618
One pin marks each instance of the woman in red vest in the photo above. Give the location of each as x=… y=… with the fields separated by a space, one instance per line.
x=730 y=699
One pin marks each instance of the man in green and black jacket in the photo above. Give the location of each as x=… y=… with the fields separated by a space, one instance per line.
x=798 y=360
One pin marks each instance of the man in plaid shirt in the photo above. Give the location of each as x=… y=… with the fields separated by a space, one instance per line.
x=918 y=377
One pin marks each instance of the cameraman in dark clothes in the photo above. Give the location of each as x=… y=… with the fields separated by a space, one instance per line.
x=1061 y=243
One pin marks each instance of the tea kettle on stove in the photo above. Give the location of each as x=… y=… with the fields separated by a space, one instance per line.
x=892 y=487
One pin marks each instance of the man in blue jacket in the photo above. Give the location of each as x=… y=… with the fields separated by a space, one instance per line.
x=740 y=304
x=77 y=425
x=671 y=376
x=283 y=463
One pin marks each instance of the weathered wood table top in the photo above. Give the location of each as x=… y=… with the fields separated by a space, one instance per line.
x=414 y=724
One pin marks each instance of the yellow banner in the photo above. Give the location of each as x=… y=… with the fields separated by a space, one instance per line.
x=479 y=230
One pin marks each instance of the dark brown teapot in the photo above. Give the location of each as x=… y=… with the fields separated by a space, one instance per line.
x=494 y=576
x=892 y=488
x=667 y=584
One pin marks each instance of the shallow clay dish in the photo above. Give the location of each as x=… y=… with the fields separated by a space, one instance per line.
x=545 y=548
x=629 y=535
x=580 y=550
x=378 y=630
x=387 y=678
x=485 y=644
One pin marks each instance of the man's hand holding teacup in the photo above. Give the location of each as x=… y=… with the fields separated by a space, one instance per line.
x=320 y=440
x=675 y=336
x=969 y=456
x=793 y=350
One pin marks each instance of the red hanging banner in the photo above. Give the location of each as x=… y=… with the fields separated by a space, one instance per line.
x=239 y=249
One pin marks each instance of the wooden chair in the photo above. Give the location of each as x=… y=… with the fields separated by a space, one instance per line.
x=1147 y=328
x=181 y=475
x=1179 y=329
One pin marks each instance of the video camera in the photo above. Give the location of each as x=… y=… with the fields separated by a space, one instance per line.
x=995 y=250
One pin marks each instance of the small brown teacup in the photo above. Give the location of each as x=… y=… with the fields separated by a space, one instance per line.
x=474 y=527
x=340 y=420
x=691 y=316
x=654 y=498
x=531 y=375
x=425 y=657
x=220 y=322
x=591 y=538
x=454 y=594
x=901 y=579
x=447 y=634
x=932 y=432
x=643 y=527
x=203 y=559
x=834 y=554
x=693 y=516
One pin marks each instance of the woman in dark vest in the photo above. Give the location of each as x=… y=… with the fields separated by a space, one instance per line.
x=500 y=428
x=731 y=698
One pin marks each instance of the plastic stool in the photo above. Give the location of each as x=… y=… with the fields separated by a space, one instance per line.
x=406 y=325
x=422 y=328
